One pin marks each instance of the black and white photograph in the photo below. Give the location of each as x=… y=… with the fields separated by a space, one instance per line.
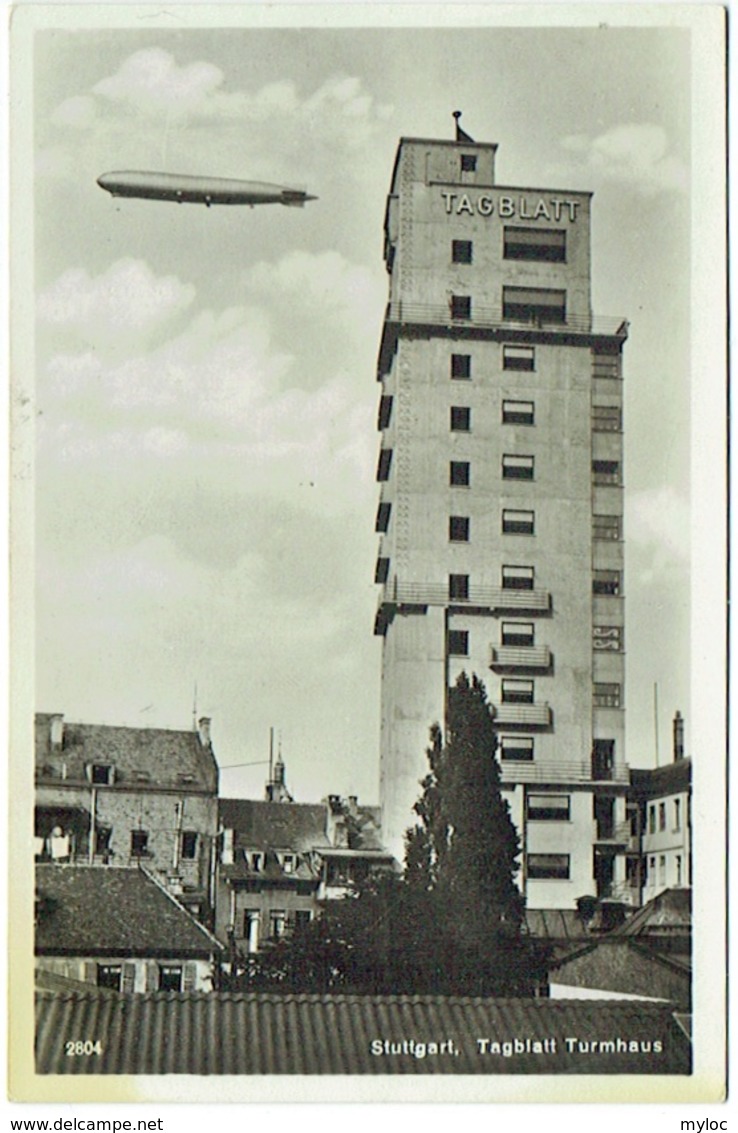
x=368 y=553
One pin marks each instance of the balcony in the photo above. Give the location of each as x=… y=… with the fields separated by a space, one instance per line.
x=527 y=658
x=492 y=598
x=439 y=318
x=613 y=834
x=553 y=771
x=523 y=715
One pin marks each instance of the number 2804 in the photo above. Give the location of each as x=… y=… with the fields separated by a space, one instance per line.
x=82 y=1047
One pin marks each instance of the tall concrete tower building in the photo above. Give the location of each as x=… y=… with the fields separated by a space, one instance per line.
x=501 y=505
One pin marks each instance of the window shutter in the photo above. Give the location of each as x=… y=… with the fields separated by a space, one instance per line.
x=152 y=975
x=189 y=982
x=128 y=982
x=90 y=972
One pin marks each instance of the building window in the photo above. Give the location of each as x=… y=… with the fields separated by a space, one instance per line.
x=458 y=643
x=254 y=861
x=603 y=760
x=606 y=366
x=541 y=867
x=251 y=928
x=384 y=464
x=548 y=808
x=277 y=923
x=385 y=411
x=189 y=844
x=652 y=819
x=384 y=510
x=607 y=639
x=170 y=977
x=547 y=244
x=607 y=418
x=458 y=528
x=289 y=863
x=518 y=358
x=381 y=570
x=461 y=251
x=459 y=473
x=533 y=305
x=468 y=162
x=677 y=814
x=518 y=633
x=460 y=307
x=662 y=869
x=678 y=864
x=101 y=774
x=606 y=582
x=516 y=522
x=605 y=471
x=662 y=816
x=517 y=577
x=606 y=527
x=606 y=696
x=110 y=975
x=516 y=749
x=517 y=467
x=458 y=586
x=460 y=419
x=652 y=870
x=515 y=691
x=460 y=366
x=303 y=918
x=518 y=413
x=139 y=843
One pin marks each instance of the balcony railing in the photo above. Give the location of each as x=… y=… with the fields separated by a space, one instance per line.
x=493 y=317
x=614 y=834
x=489 y=597
x=523 y=715
x=522 y=657
x=554 y=771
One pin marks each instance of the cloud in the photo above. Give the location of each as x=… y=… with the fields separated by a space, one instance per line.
x=658 y=519
x=78 y=112
x=151 y=81
x=633 y=154
x=127 y=299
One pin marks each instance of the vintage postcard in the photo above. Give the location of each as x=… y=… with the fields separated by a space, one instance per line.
x=368 y=553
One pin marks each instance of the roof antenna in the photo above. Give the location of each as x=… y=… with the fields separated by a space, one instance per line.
x=194 y=708
x=461 y=135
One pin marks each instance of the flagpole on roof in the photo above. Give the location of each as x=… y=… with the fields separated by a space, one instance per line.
x=461 y=135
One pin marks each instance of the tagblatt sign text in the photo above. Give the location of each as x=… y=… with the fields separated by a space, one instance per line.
x=520 y=207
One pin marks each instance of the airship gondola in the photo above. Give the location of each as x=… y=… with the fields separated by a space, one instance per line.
x=200 y=190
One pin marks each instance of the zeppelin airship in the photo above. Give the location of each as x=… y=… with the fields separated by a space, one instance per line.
x=200 y=190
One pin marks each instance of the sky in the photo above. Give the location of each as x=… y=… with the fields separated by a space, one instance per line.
x=205 y=390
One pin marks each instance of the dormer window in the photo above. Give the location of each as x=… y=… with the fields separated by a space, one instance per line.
x=254 y=860
x=289 y=862
x=101 y=774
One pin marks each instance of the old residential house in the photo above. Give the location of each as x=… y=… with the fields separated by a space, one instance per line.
x=123 y=796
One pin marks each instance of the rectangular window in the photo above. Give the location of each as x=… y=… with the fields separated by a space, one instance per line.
x=458 y=643
x=139 y=843
x=254 y=860
x=517 y=692
x=652 y=870
x=101 y=774
x=605 y=471
x=277 y=923
x=518 y=358
x=516 y=522
x=461 y=251
x=517 y=577
x=459 y=473
x=518 y=633
x=460 y=307
x=384 y=510
x=251 y=919
x=606 y=582
x=606 y=696
x=548 y=808
x=534 y=305
x=468 y=162
x=384 y=464
x=460 y=366
x=518 y=413
x=541 y=867
x=662 y=869
x=460 y=419
x=607 y=418
x=652 y=819
x=110 y=975
x=458 y=528
x=662 y=816
x=516 y=749
x=381 y=571
x=189 y=844
x=289 y=863
x=606 y=527
x=678 y=863
x=458 y=586
x=606 y=366
x=170 y=977
x=548 y=244
x=385 y=411
x=303 y=917
x=517 y=467
x=607 y=639
x=603 y=759
x=677 y=814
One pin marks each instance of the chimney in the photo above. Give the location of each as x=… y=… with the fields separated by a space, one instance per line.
x=678 y=736
x=203 y=727
x=353 y=805
x=56 y=729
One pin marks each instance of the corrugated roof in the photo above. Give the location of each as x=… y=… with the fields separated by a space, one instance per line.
x=669 y=910
x=168 y=1033
x=555 y=924
x=652 y=783
x=101 y=910
x=168 y=757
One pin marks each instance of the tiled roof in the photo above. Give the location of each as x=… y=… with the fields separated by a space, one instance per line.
x=262 y=825
x=157 y=756
x=99 y=910
x=310 y=1034
x=672 y=779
